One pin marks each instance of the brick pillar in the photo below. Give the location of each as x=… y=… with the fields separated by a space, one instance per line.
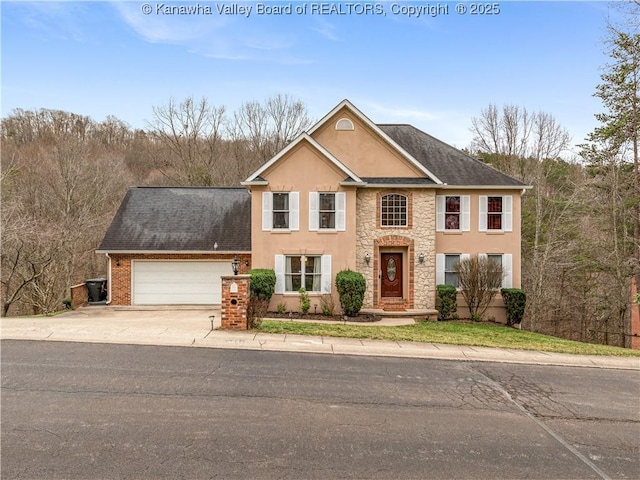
x=635 y=316
x=235 y=299
x=79 y=296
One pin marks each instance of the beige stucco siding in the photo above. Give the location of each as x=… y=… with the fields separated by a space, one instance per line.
x=362 y=150
x=475 y=242
x=304 y=170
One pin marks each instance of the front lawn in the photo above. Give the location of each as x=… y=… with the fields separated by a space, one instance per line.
x=452 y=333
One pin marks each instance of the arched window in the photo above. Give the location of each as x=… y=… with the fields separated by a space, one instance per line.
x=344 y=124
x=393 y=210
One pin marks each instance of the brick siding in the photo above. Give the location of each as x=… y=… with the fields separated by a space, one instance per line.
x=121 y=269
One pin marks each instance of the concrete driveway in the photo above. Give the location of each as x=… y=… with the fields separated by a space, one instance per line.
x=196 y=327
x=147 y=325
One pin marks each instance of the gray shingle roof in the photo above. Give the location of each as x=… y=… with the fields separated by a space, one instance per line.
x=397 y=181
x=181 y=219
x=449 y=164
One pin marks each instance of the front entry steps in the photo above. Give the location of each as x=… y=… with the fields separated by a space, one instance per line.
x=409 y=312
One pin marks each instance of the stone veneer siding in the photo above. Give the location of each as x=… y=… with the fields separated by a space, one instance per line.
x=419 y=238
x=121 y=269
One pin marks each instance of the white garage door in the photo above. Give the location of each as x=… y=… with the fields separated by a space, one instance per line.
x=178 y=283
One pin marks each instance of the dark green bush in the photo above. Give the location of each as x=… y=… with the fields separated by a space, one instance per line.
x=448 y=300
x=515 y=300
x=263 y=283
x=351 y=286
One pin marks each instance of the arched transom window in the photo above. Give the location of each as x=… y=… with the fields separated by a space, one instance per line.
x=393 y=210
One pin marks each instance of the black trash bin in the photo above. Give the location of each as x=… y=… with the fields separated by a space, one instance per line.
x=97 y=290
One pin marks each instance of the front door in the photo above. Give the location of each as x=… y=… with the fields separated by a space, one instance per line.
x=391 y=266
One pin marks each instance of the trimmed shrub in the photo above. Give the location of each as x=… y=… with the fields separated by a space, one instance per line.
x=448 y=296
x=351 y=287
x=515 y=300
x=263 y=283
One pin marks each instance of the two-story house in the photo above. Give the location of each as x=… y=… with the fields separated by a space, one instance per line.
x=389 y=201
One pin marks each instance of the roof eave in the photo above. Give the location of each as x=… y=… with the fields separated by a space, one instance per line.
x=303 y=136
x=346 y=103
x=169 y=252
x=485 y=187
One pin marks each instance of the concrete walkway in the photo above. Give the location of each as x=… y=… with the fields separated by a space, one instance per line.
x=197 y=327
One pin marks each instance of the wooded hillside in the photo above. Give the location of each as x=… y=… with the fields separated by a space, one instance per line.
x=64 y=175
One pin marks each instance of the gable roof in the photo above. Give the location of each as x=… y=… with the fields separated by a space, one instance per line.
x=255 y=177
x=451 y=165
x=184 y=219
x=364 y=119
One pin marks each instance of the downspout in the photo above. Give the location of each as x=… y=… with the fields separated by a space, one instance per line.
x=108 y=280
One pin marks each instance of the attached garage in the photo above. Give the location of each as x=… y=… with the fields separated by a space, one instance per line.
x=178 y=282
x=170 y=245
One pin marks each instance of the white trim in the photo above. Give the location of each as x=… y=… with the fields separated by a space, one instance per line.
x=313 y=211
x=440 y=265
x=507 y=267
x=303 y=136
x=279 y=267
x=465 y=213
x=325 y=274
x=294 y=211
x=174 y=252
x=362 y=117
x=267 y=211
x=441 y=202
x=482 y=213
x=341 y=208
x=507 y=213
x=484 y=187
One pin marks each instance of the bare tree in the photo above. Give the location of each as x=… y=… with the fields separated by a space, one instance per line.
x=191 y=133
x=267 y=128
x=480 y=279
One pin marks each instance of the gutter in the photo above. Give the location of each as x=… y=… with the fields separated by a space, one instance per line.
x=108 y=280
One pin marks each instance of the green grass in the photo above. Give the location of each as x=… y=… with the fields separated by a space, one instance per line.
x=449 y=333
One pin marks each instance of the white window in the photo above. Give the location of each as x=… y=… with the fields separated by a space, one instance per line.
x=327 y=211
x=505 y=260
x=313 y=272
x=496 y=213
x=453 y=213
x=446 y=268
x=393 y=210
x=280 y=211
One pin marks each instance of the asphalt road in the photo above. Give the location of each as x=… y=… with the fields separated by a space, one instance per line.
x=89 y=411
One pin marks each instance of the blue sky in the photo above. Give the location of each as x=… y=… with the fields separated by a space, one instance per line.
x=108 y=58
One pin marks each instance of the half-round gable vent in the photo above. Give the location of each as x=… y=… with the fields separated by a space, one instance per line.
x=344 y=124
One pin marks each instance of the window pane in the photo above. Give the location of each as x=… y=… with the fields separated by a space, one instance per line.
x=327 y=201
x=280 y=219
x=452 y=221
x=494 y=221
x=327 y=220
x=451 y=279
x=393 y=210
x=281 y=201
x=450 y=261
x=495 y=258
x=295 y=283
x=494 y=204
x=453 y=204
x=294 y=265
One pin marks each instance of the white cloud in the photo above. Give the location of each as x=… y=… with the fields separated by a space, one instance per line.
x=212 y=36
x=327 y=30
